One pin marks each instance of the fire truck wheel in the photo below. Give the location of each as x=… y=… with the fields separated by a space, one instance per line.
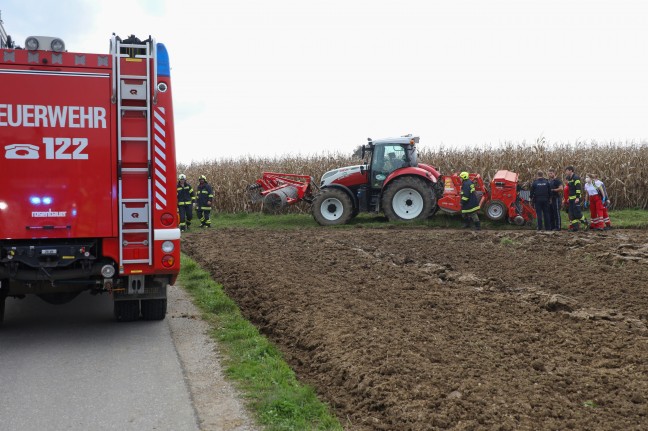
x=127 y=311
x=408 y=198
x=4 y=286
x=332 y=206
x=2 y=307
x=58 y=298
x=495 y=210
x=154 y=309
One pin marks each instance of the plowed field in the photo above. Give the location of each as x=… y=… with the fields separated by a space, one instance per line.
x=416 y=329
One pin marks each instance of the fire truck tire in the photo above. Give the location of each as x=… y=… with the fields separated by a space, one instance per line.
x=154 y=309
x=2 y=307
x=127 y=311
x=4 y=285
x=332 y=207
x=408 y=199
x=58 y=298
x=495 y=210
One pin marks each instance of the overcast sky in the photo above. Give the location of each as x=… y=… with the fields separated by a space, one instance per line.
x=284 y=77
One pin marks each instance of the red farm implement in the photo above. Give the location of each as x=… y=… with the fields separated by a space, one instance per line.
x=278 y=190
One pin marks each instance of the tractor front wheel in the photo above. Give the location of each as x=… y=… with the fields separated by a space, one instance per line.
x=408 y=198
x=495 y=210
x=332 y=207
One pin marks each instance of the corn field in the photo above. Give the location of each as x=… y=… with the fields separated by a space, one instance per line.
x=622 y=167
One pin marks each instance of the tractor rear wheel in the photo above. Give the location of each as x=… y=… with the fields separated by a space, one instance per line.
x=495 y=210
x=408 y=198
x=332 y=207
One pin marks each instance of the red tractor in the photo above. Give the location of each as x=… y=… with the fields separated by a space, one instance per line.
x=392 y=181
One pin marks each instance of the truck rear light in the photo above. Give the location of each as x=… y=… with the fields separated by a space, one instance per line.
x=168 y=261
x=167 y=219
x=168 y=246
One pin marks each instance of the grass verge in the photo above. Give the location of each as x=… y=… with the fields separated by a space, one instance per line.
x=277 y=399
x=625 y=219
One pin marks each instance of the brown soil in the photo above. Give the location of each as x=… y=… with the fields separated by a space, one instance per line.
x=415 y=329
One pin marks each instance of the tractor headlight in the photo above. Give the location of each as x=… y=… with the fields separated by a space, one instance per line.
x=168 y=246
x=31 y=43
x=57 y=45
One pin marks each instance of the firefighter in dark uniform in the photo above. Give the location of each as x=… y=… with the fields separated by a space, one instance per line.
x=469 y=202
x=540 y=195
x=555 y=202
x=186 y=198
x=574 y=186
x=204 y=196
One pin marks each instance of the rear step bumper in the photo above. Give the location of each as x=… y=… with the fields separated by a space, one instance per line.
x=49 y=274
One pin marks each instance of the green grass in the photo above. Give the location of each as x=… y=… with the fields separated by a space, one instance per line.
x=378 y=221
x=625 y=219
x=277 y=399
x=629 y=219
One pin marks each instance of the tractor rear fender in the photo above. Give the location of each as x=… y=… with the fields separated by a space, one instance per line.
x=354 y=198
x=410 y=171
x=436 y=174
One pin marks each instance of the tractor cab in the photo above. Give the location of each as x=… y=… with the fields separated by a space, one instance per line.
x=384 y=156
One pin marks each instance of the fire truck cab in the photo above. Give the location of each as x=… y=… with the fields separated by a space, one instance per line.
x=87 y=153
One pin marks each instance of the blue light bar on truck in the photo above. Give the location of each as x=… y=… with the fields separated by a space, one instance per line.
x=163 y=66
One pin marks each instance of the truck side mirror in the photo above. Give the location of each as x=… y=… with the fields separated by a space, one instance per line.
x=362 y=169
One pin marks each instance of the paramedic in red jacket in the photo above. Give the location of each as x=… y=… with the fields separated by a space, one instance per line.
x=595 y=204
x=606 y=201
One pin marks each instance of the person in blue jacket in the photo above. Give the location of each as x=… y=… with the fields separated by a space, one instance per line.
x=204 y=196
x=540 y=196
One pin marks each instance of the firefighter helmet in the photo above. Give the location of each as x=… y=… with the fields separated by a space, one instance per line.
x=464 y=175
x=182 y=177
x=202 y=177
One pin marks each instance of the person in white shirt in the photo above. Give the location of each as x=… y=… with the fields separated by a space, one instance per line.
x=593 y=196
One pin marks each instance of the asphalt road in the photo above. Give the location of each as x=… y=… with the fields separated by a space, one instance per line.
x=72 y=367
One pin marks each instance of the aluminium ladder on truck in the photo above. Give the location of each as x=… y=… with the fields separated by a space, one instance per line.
x=132 y=72
x=5 y=40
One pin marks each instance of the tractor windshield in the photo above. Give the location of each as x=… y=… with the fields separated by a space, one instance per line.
x=386 y=159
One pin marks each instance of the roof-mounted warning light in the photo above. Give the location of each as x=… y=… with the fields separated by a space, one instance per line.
x=44 y=43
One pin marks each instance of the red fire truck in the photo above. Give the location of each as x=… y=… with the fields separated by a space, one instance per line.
x=87 y=150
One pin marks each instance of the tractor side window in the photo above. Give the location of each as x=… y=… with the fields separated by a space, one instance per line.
x=395 y=158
